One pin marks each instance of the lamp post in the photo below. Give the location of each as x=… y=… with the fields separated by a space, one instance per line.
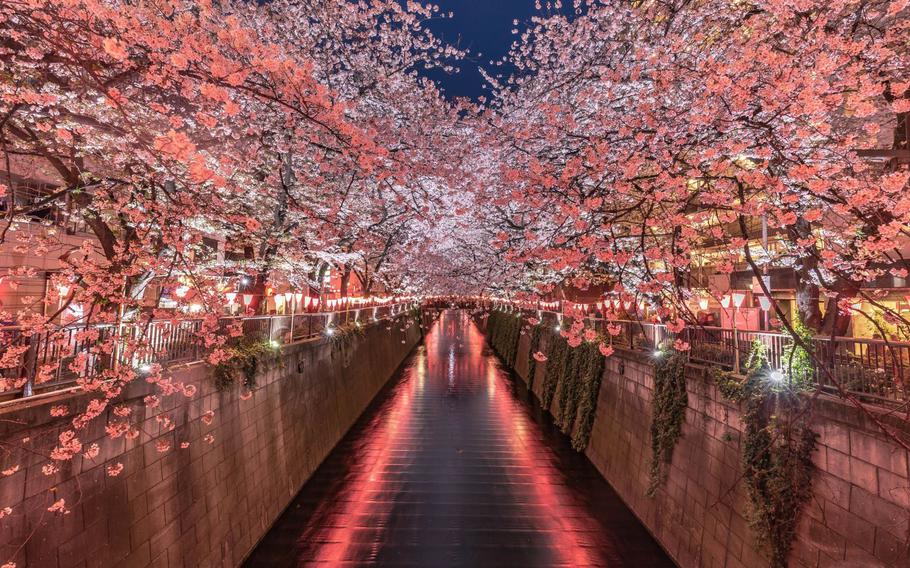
x=765 y=303
x=738 y=298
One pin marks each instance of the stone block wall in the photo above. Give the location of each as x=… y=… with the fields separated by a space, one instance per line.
x=207 y=504
x=859 y=515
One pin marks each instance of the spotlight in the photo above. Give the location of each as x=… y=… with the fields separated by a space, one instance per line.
x=274 y=343
x=776 y=376
x=329 y=331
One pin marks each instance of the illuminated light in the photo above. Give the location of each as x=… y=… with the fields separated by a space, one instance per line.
x=288 y=296
x=269 y=291
x=274 y=344
x=145 y=368
x=329 y=331
x=658 y=353
x=557 y=328
x=703 y=304
x=725 y=301
x=247 y=299
x=245 y=281
x=231 y=296
x=298 y=297
x=195 y=308
x=764 y=302
x=181 y=291
x=738 y=298
x=776 y=376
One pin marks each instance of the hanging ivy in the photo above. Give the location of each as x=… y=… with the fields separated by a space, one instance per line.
x=729 y=386
x=568 y=393
x=776 y=455
x=592 y=374
x=343 y=336
x=556 y=360
x=246 y=358
x=668 y=412
x=576 y=373
x=504 y=330
x=533 y=347
x=796 y=362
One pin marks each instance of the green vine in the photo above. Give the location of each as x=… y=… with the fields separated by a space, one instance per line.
x=246 y=358
x=344 y=336
x=729 y=386
x=776 y=454
x=533 y=347
x=668 y=412
x=591 y=373
x=568 y=394
x=796 y=362
x=578 y=371
x=504 y=330
x=556 y=360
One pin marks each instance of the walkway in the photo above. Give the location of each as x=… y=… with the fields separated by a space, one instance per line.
x=452 y=466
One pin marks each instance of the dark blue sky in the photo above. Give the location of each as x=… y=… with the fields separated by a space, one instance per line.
x=483 y=26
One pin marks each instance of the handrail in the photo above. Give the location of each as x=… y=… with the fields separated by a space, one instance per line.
x=874 y=370
x=169 y=341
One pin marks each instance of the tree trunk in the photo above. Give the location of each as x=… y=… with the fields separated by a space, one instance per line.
x=807 y=290
x=345 y=280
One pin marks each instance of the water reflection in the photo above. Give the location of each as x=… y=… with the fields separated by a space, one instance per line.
x=451 y=467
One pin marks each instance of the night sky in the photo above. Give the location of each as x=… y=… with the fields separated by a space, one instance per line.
x=482 y=26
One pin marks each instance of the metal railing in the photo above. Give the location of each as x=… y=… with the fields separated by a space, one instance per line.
x=874 y=370
x=59 y=358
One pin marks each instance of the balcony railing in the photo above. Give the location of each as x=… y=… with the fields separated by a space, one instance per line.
x=69 y=350
x=875 y=371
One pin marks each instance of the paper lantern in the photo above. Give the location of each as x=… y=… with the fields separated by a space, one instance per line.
x=725 y=301
x=703 y=304
x=764 y=302
x=247 y=299
x=231 y=296
x=738 y=298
